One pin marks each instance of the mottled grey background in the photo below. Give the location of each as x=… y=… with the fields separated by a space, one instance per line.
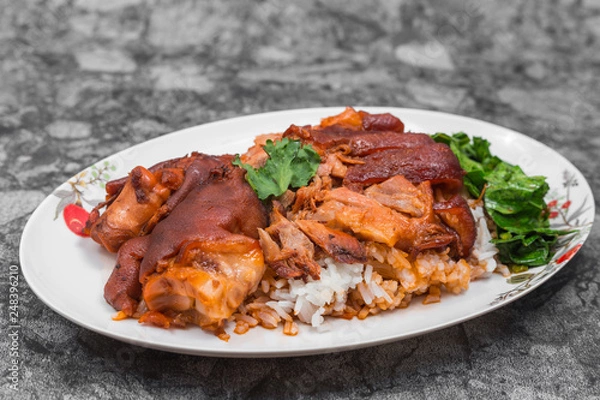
x=82 y=79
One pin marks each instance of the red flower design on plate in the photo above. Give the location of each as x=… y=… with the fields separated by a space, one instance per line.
x=568 y=254
x=75 y=218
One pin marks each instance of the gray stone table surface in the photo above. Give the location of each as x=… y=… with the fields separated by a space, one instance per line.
x=83 y=79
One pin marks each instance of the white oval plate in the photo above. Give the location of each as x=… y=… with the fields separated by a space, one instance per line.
x=68 y=272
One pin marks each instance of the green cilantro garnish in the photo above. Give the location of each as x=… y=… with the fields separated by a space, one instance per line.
x=290 y=164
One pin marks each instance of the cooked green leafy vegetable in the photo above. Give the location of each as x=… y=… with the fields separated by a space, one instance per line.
x=290 y=164
x=514 y=201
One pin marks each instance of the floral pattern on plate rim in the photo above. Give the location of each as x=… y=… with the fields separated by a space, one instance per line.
x=77 y=198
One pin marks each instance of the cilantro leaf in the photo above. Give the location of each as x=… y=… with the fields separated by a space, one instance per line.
x=290 y=164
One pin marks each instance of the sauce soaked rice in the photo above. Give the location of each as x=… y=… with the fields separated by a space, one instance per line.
x=390 y=281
